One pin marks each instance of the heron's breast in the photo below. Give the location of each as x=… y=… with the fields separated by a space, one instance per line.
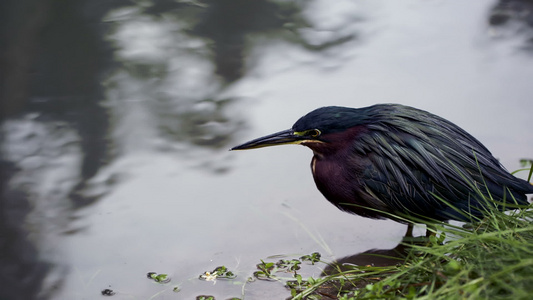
x=333 y=179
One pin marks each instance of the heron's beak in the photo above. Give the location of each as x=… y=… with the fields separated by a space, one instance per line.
x=279 y=138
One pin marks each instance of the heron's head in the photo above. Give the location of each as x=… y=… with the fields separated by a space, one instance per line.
x=323 y=129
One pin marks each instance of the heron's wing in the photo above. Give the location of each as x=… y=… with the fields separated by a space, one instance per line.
x=425 y=166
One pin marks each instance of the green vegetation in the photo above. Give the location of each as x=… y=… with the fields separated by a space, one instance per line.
x=491 y=259
x=160 y=278
x=217 y=273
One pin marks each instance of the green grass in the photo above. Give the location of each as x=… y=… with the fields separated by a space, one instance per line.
x=490 y=259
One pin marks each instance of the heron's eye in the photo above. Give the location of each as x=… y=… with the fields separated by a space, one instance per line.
x=313 y=132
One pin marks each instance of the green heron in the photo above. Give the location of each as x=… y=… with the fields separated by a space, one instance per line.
x=390 y=160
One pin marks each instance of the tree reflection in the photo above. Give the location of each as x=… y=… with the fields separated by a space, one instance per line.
x=510 y=17
x=53 y=132
x=186 y=55
x=78 y=92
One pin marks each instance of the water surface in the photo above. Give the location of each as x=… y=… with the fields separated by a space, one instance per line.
x=118 y=117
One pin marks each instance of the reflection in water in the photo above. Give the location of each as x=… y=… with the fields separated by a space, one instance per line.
x=227 y=23
x=18 y=256
x=373 y=257
x=230 y=25
x=165 y=67
x=179 y=59
x=53 y=134
x=510 y=17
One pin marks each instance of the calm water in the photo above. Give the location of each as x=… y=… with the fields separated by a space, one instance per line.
x=117 y=117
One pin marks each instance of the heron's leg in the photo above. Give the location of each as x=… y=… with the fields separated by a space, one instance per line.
x=409 y=232
x=430 y=230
